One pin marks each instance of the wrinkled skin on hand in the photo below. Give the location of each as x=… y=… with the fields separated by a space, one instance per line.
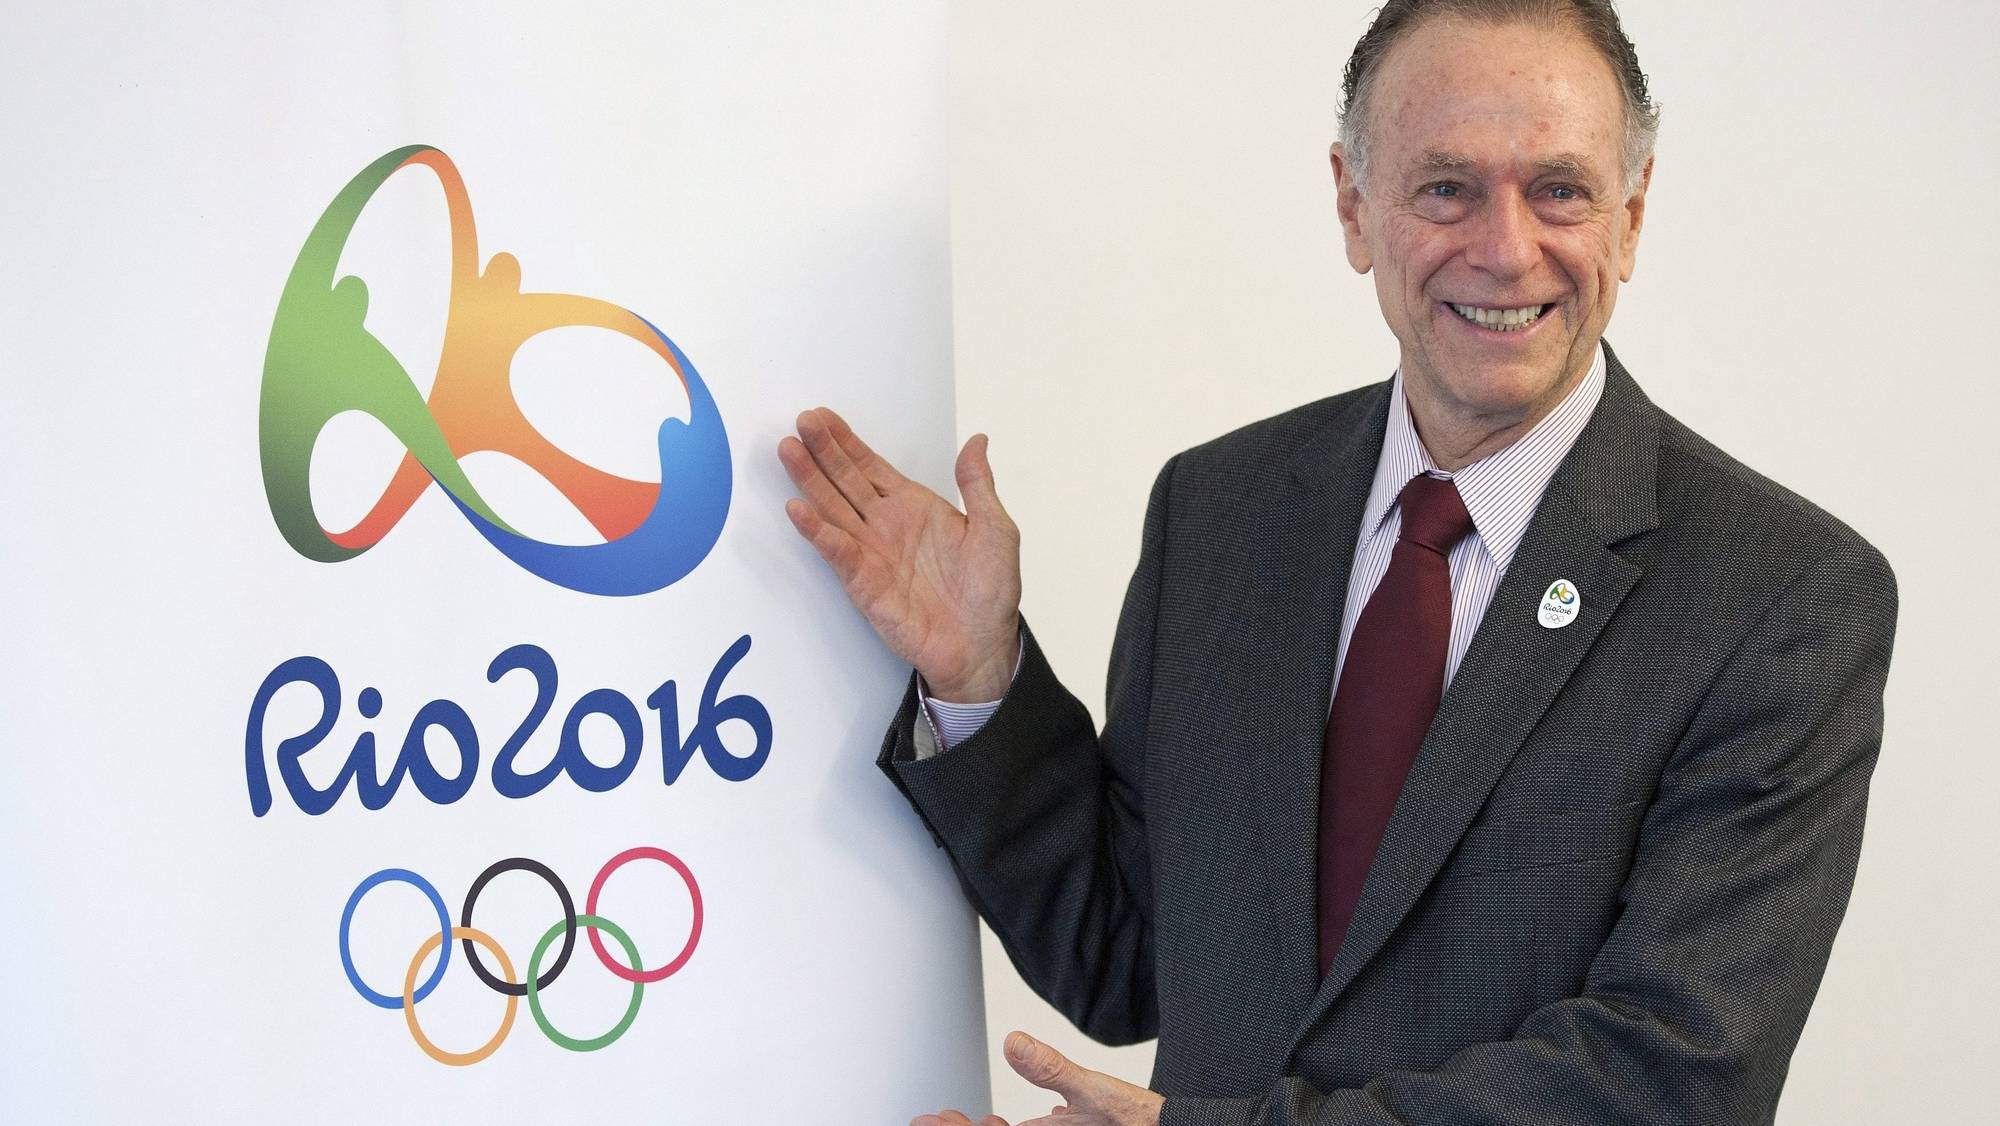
x=942 y=588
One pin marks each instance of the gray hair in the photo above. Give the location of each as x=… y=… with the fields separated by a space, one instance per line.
x=1595 y=20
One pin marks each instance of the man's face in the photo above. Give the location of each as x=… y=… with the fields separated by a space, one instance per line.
x=1495 y=187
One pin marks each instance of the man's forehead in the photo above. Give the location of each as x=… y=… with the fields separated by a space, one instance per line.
x=1455 y=57
x=1455 y=86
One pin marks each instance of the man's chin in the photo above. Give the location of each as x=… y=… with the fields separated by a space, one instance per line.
x=1503 y=387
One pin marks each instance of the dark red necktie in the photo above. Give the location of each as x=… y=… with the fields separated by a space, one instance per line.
x=1388 y=694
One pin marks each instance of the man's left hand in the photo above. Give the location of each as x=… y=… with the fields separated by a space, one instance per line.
x=1091 y=1098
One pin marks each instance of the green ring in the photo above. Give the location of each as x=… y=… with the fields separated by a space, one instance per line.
x=534 y=994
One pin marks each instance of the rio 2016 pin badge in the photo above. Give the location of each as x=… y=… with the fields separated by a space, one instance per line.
x=1560 y=604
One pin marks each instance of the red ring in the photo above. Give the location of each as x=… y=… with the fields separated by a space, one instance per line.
x=643 y=852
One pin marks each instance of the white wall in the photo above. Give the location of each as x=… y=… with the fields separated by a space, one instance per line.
x=1146 y=256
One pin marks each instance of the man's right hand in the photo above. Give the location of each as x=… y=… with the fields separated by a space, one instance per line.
x=942 y=588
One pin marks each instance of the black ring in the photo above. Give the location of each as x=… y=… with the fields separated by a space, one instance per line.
x=519 y=864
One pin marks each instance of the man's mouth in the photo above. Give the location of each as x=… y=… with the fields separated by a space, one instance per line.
x=1500 y=320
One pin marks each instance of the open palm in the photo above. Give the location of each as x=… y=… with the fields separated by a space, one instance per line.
x=941 y=587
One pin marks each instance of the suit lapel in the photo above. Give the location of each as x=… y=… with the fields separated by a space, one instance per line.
x=1308 y=534
x=1603 y=493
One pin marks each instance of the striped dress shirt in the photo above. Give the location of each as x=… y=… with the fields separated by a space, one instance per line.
x=1500 y=491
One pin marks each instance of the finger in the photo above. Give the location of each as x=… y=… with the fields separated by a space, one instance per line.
x=1044 y=1066
x=873 y=466
x=841 y=551
x=992 y=1120
x=955 y=1117
x=834 y=462
x=805 y=473
x=975 y=480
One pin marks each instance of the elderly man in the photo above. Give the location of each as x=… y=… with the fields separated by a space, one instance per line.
x=1482 y=745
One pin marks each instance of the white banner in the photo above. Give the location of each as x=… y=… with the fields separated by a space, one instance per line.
x=415 y=704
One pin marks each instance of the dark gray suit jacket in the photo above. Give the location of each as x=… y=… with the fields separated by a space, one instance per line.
x=1610 y=884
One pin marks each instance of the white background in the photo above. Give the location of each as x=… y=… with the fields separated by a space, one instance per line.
x=766 y=183
x=1146 y=255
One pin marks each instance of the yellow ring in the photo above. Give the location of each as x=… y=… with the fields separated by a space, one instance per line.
x=457 y=1059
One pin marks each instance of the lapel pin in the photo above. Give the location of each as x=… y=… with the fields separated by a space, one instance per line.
x=1560 y=604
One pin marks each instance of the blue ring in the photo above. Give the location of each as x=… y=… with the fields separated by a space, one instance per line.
x=387 y=875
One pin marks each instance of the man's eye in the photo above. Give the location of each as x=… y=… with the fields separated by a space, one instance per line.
x=1443 y=191
x=1565 y=192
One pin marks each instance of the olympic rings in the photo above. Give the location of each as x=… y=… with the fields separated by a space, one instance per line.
x=536 y=980
x=457 y=1059
x=520 y=864
x=535 y=989
x=347 y=919
x=694 y=932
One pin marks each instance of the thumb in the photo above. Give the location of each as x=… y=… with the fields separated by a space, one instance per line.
x=1044 y=1066
x=975 y=480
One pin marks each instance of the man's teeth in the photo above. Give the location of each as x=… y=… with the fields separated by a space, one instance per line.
x=1504 y=320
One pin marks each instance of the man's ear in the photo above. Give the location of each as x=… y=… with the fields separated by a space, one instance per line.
x=1635 y=217
x=1348 y=201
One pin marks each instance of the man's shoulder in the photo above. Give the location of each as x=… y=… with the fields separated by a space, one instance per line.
x=1252 y=456
x=1711 y=501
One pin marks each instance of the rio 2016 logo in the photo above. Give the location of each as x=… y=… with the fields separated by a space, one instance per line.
x=322 y=361
x=534 y=980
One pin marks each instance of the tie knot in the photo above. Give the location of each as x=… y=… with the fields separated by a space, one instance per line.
x=1433 y=513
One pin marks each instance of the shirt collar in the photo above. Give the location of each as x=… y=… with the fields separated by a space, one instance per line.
x=1501 y=489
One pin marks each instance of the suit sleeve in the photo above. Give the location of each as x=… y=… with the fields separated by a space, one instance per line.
x=1044 y=819
x=1693 y=1005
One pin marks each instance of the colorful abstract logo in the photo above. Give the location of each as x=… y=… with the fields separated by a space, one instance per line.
x=1562 y=593
x=323 y=361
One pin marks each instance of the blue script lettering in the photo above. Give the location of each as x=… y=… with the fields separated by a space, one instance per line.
x=413 y=761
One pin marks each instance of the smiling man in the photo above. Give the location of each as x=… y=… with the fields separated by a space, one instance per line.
x=1438 y=782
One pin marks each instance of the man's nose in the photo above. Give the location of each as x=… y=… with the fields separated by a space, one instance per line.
x=1506 y=241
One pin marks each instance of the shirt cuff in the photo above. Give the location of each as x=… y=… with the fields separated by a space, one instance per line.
x=950 y=724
